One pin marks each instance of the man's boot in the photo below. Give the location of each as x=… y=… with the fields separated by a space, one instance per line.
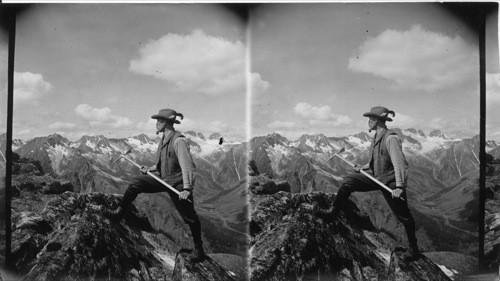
x=412 y=253
x=198 y=254
x=114 y=215
x=327 y=215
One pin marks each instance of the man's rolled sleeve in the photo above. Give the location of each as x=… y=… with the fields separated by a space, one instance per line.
x=395 y=150
x=181 y=147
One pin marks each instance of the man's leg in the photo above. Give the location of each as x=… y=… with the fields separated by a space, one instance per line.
x=400 y=209
x=187 y=212
x=139 y=184
x=355 y=182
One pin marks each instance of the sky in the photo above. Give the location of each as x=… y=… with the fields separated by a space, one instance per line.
x=492 y=79
x=4 y=39
x=328 y=63
x=104 y=69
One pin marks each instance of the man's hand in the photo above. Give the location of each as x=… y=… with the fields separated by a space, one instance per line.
x=357 y=168
x=144 y=170
x=184 y=195
x=396 y=193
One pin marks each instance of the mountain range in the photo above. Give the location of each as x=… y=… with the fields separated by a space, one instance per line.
x=220 y=197
x=442 y=185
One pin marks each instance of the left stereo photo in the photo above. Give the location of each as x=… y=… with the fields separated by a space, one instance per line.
x=129 y=142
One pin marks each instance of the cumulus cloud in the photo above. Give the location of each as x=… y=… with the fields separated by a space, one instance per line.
x=417 y=59
x=96 y=114
x=321 y=115
x=102 y=117
x=148 y=126
x=197 y=63
x=281 y=125
x=62 y=126
x=258 y=85
x=405 y=121
x=29 y=87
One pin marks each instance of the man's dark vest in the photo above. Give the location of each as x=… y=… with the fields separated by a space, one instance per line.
x=167 y=163
x=380 y=162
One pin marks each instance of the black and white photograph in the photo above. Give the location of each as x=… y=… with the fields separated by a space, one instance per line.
x=4 y=39
x=128 y=141
x=492 y=149
x=249 y=141
x=365 y=148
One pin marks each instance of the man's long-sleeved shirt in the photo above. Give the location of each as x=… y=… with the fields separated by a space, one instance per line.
x=398 y=160
x=181 y=148
x=395 y=149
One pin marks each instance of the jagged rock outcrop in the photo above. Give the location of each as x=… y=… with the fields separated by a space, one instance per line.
x=289 y=242
x=420 y=269
x=206 y=270
x=64 y=236
x=261 y=185
x=70 y=239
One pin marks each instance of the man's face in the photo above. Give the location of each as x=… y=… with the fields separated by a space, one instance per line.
x=160 y=125
x=372 y=123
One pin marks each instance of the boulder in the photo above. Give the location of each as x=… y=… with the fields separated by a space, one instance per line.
x=57 y=187
x=263 y=185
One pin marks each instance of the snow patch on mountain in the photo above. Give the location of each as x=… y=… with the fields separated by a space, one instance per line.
x=142 y=146
x=56 y=153
x=359 y=143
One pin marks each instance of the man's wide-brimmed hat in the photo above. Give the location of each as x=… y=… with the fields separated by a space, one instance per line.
x=380 y=112
x=169 y=115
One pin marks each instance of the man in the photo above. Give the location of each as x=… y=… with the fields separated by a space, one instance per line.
x=176 y=167
x=388 y=165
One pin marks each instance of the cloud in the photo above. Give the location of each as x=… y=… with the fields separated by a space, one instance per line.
x=62 y=126
x=258 y=85
x=102 y=117
x=405 y=121
x=217 y=126
x=29 y=87
x=197 y=63
x=438 y=123
x=281 y=125
x=321 y=116
x=90 y=113
x=493 y=88
x=417 y=59
x=148 y=126
x=456 y=128
x=312 y=112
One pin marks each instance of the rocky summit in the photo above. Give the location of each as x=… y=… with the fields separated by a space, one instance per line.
x=62 y=235
x=69 y=239
x=288 y=242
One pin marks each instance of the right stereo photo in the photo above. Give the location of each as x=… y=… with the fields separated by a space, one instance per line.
x=365 y=149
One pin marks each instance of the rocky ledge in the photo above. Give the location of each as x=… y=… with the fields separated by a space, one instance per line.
x=288 y=242
x=62 y=235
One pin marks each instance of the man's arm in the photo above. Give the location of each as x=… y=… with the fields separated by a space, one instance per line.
x=395 y=150
x=186 y=162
